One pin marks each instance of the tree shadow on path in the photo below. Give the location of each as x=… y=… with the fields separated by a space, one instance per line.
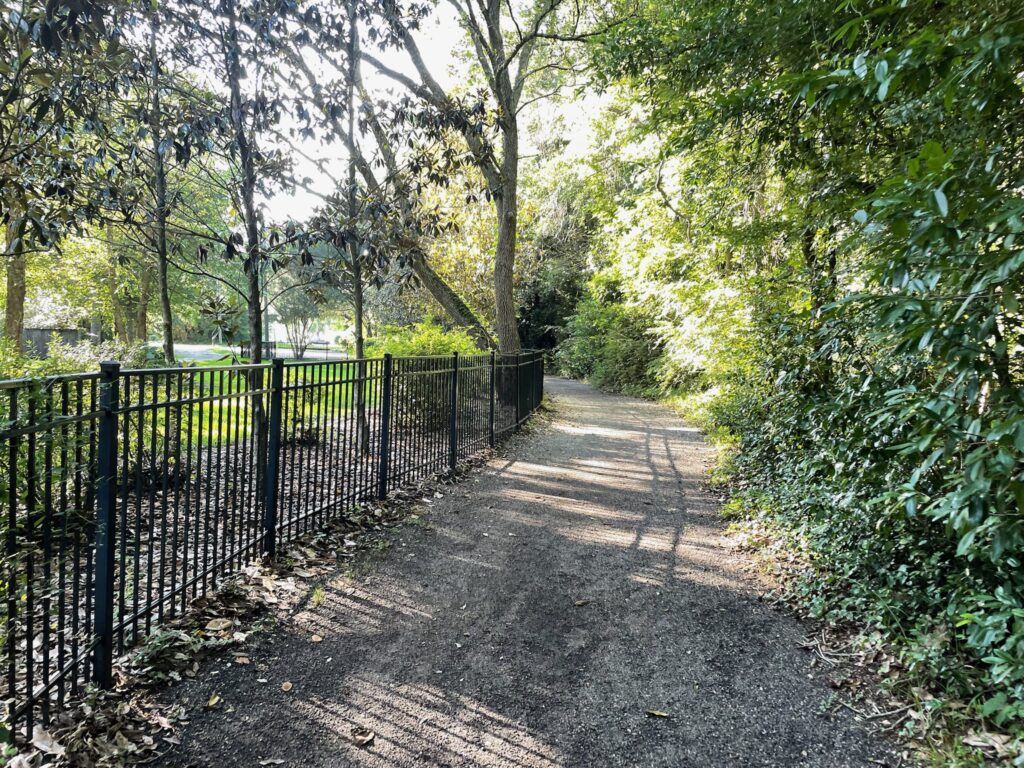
x=551 y=601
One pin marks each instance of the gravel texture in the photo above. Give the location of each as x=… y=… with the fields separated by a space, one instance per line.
x=536 y=614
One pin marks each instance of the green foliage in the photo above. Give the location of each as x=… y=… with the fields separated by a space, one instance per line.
x=610 y=344
x=419 y=340
x=821 y=251
x=70 y=358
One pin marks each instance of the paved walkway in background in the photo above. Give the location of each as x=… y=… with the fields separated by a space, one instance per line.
x=550 y=601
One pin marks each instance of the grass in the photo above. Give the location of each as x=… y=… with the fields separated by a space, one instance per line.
x=226 y=411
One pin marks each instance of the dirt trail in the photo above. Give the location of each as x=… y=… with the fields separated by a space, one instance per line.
x=549 y=601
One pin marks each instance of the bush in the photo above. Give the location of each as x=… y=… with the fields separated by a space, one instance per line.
x=608 y=345
x=418 y=383
x=421 y=339
x=80 y=357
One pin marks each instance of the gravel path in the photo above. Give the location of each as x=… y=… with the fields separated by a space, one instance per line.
x=547 y=604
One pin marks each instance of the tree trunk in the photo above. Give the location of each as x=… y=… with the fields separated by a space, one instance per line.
x=507 y=204
x=247 y=161
x=14 y=311
x=141 y=331
x=117 y=308
x=362 y=425
x=160 y=202
x=504 y=268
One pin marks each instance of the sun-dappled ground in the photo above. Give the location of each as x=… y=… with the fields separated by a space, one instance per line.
x=573 y=603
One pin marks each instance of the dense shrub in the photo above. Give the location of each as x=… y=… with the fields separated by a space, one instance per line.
x=824 y=257
x=610 y=345
x=80 y=357
x=421 y=339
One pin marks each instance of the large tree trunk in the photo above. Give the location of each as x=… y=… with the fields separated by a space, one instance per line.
x=160 y=201
x=14 y=311
x=504 y=269
x=507 y=204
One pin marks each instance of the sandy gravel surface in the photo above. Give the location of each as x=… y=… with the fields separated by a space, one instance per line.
x=545 y=605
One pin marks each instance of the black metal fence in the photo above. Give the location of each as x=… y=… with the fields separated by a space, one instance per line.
x=130 y=493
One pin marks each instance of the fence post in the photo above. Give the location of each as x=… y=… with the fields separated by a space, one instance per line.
x=519 y=393
x=453 y=415
x=490 y=411
x=273 y=467
x=106 y=517
x=385 y=431
x=540 y=381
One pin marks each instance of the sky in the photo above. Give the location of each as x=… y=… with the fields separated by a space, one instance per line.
x=440 y=39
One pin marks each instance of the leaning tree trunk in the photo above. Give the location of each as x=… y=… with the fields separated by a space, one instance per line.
x=457 y=309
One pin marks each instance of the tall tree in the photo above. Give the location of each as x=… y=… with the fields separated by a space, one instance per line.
x=385 y=178
x=513 y=47
x=65 y=60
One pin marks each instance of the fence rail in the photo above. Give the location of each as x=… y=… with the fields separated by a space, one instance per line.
x=130 y=493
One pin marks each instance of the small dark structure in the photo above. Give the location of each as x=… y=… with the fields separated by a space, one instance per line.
x=36 y=341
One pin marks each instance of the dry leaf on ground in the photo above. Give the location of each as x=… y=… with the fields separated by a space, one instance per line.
x=363 y=737
x=44 y=742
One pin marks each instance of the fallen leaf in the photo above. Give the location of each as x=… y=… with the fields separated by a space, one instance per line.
x=241 y=659
x=218 y=625
x=581 y=603
x=996 y=742
x=44 y=742
x=316 y=639
x=657 y=713
x=272 y=761
x=286 y=686
x=363 y=737
x=213 y=701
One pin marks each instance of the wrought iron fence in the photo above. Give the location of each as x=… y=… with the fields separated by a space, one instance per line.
x=130 y=493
